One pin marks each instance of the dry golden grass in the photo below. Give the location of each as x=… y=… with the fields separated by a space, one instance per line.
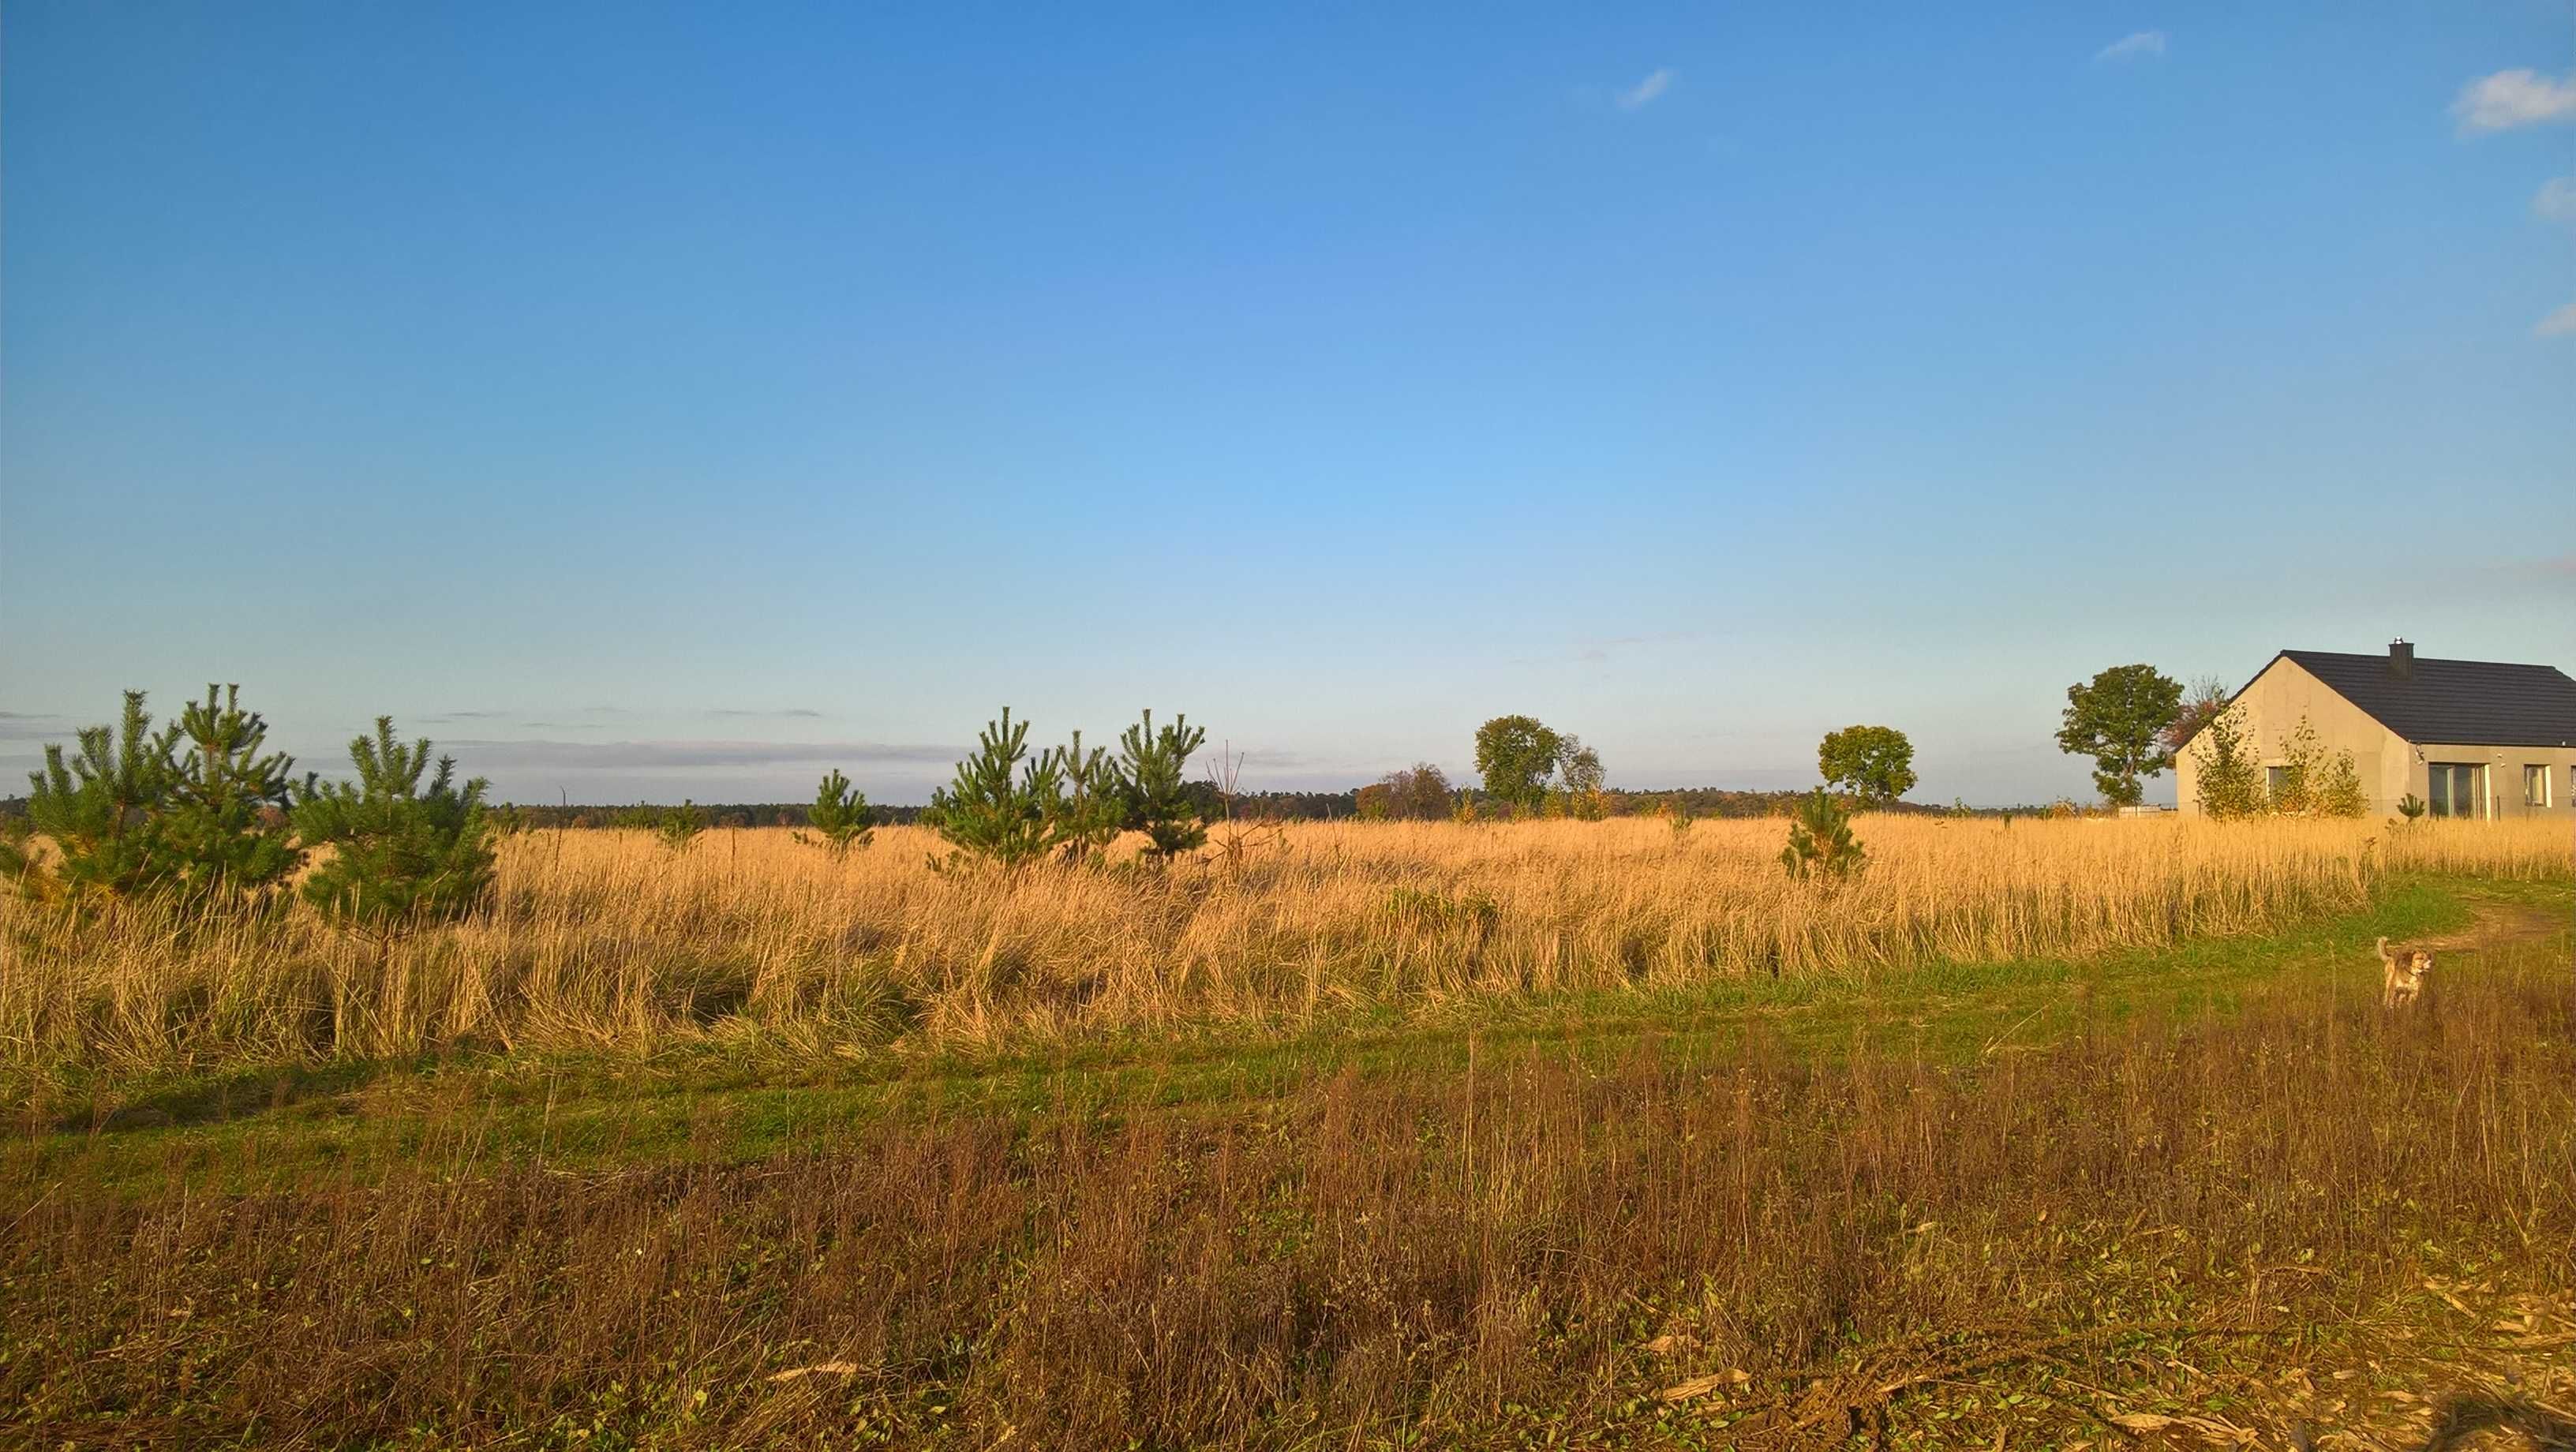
x=606 y=940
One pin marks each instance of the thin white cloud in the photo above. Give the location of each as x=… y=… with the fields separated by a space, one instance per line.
x=673 y=755
x=2135 y=46
x=2560 y=324
x=1643 y=94
x=2513 y=98
x=2557 y=199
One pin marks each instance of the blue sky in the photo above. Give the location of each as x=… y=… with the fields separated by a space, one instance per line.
x=660 y=401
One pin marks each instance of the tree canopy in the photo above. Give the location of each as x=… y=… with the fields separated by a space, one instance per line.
x=2119 y=718
x=1516 y=756
x=1873 y=762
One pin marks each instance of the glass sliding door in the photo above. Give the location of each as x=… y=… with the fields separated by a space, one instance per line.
x=2455 y=789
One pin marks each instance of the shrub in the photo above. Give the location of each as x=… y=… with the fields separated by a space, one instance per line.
x=1820 y=840
x=401 y=857
x=839 y=816
x=2231 y=783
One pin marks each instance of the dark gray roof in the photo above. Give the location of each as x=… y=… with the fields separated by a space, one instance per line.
x=2467 y=702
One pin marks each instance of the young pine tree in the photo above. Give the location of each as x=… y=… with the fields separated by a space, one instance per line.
x=678 y=827
x=401 y=857
x=996 y=809
x=101 y=810
x=1820 y=840
x=224 y=823
x=839 y=816
x=1091 y=811
x=1151 y=777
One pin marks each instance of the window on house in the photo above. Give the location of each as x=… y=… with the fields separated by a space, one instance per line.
x=2455 y=788
x=2275 y=778
x=2535 y=786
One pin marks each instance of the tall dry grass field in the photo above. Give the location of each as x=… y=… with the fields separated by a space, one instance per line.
x=608 y=940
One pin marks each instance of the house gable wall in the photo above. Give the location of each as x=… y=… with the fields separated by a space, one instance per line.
x=2391 y=767
x=2270 y=707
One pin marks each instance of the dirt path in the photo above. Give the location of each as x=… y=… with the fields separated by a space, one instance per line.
x=2498 y=924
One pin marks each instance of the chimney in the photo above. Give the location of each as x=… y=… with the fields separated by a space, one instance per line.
x=2401 y=659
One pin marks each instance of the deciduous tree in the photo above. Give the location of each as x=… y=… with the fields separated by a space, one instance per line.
x=2229 y=779
x=2118 y=718
x=1875 y=763
x=1419 y=793
x=2207 y=697
x=1516 y=755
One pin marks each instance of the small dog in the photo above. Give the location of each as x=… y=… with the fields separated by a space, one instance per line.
x=2401 y=974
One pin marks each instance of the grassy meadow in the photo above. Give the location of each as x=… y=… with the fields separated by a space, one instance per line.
x=1560 y=1134
x=607 y=941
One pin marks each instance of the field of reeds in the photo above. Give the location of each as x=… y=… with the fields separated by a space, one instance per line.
x=606 y=940
x=2141 y=1231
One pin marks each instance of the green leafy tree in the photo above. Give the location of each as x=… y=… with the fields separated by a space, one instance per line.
x=402 y=857
x=1160 y=800
x=2411 y=807
x=223 y=824
x=1579 y=776
x=997 y=808
x=1821 y=844
x=2118 y=718
x=839 y=816
x=1516 y=755
x=100 y=809
x=1875 y=763
x=2230 y=779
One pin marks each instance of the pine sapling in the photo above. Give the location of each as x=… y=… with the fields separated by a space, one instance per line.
x=1820 y=840
x=1091 y=810
x=839 y=817
x=998 y=809
x=401 y=857
x=1151 y=773
x=678 y=827
x=225 y=824
x=100 y=810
